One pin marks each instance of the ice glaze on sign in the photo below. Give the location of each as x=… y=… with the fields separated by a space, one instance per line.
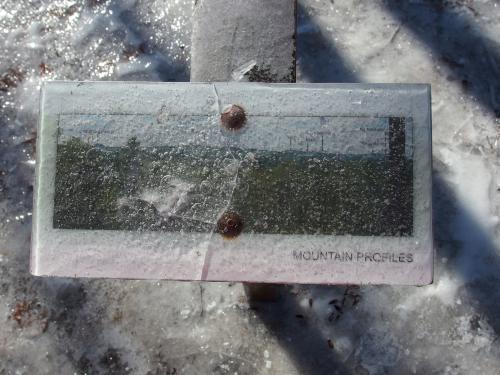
x=345 y=175
x=317 y=186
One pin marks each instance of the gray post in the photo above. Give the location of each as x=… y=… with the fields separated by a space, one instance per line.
x=229 y=35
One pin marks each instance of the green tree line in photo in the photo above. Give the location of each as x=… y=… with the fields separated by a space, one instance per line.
x=289 y=192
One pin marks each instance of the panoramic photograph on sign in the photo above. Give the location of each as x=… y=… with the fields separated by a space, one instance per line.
x=166 y=179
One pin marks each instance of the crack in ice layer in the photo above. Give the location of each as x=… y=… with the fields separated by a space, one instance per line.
x=232 y=187
x=209 y=250
x=217 y=99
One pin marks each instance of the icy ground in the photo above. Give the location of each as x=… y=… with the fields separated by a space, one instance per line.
x=63 y=326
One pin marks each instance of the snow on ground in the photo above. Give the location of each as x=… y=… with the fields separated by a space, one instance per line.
x=120 y=326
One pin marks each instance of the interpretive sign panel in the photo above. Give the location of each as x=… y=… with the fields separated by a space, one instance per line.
x=235 y=181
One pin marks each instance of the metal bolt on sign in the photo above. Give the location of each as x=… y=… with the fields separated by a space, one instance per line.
x=233 y=118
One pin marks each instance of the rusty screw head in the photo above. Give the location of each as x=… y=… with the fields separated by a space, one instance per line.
x=229 y=225
x=233 y=118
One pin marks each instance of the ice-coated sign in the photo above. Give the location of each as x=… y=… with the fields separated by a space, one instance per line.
x=235 y=181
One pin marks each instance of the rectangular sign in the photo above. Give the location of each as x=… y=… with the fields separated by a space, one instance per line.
x=315 y=184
